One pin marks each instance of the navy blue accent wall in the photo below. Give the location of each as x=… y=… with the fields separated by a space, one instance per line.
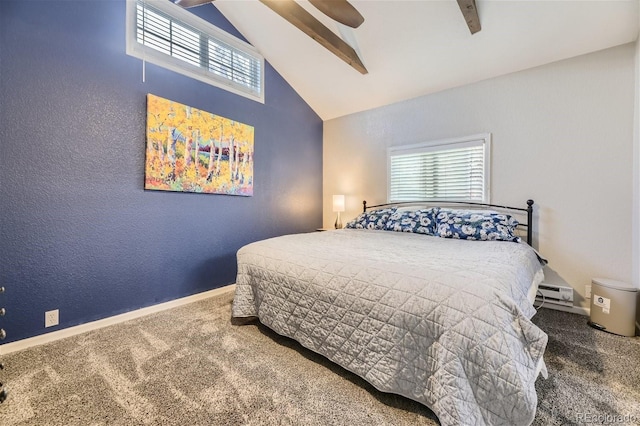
x=78 y=231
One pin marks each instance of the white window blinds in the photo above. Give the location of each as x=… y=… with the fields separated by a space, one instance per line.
x=453 y=170
x=169 y=36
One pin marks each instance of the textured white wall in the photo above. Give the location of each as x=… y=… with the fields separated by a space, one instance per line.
x=563 y=135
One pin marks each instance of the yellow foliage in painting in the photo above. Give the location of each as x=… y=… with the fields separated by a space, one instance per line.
x=182 y=142
x=191 y=174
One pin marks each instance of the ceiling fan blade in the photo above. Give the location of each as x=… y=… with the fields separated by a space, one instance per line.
x=191 y=3
x=339 y=10
x=470 y=12
x=307 y=23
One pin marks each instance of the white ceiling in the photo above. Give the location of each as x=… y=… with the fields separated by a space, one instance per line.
x=413 y=48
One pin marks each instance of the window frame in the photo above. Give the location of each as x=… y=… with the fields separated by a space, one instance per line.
x=483 y=139
x=148 y=54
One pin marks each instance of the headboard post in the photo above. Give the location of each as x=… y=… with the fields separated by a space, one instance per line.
x=529 y=221
x=364 y=206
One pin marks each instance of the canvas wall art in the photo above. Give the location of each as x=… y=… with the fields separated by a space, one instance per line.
x=190 y=150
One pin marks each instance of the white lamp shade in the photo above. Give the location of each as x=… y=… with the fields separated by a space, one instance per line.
x=338 y=203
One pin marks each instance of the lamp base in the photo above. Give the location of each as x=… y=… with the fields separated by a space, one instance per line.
x=338 y=224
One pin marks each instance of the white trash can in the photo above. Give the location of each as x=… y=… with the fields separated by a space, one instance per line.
x=613 y=306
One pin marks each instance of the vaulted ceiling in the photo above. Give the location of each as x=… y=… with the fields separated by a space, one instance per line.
x=413 y=48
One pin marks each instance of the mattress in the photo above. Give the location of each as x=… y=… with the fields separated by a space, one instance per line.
x=441 y=321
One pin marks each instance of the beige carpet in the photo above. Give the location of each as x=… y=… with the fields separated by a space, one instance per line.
x=191 y=366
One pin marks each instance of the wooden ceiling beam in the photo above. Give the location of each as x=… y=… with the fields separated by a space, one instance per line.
x=470 y=13
x=307 y=23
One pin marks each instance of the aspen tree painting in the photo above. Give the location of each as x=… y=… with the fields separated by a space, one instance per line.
x=190 y=150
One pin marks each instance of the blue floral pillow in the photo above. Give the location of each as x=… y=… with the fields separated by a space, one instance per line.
x=417 y=221
x=476 y=225
x=374 y=219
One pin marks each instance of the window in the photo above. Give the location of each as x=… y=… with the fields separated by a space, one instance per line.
x=452 y=169
x=163 y=33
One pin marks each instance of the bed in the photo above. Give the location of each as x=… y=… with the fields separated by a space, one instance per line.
x=427 y=303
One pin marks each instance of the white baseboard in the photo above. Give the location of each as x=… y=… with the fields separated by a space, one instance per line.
x=94 y=325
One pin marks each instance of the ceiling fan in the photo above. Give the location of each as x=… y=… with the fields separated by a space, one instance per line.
x=340 y=11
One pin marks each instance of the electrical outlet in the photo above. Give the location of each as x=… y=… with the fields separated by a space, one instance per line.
x=51 y=318
x=587 y=291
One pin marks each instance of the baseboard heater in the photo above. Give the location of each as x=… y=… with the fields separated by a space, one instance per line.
x=555 y=294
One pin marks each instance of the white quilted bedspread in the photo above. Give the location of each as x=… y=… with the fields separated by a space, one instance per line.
x=444 y=322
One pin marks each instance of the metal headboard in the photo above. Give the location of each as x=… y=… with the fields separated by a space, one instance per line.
x=528 y=209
